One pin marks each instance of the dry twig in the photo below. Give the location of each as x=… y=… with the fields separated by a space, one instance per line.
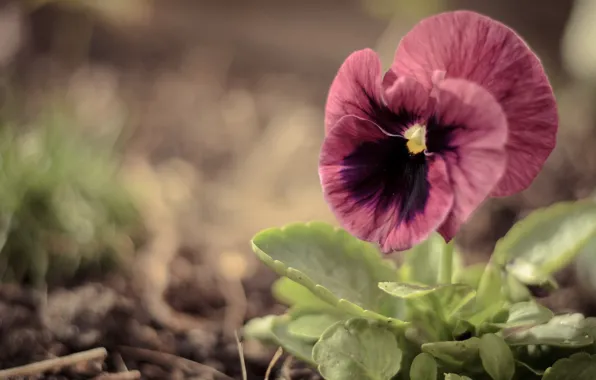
x=128 y=375
x=274 y=360
x=241 y=354
x=54 y=364
x=169 y=360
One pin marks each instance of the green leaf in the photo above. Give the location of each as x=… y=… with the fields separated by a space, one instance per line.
x=527 y=314
x=588 y=327
x=311 y=325
x=501 y=316
x=529 y=273
x=451 y=297
x=454 y=354
x=424 y=367
x=462 y=328
x=455 y=297
x=497 y=358
x=274 y=329
x=489 y=297
x=453 y=376
x=300 y=348
x=585 y=264
x=333 y=265
x=358 y=349
x=446 y=264
x=549 y=238
x=561 y=331
x=292 y=293
x=581 y=366
x=408 y=291
x=422 y=263
x=259 y=328
x=489 y=288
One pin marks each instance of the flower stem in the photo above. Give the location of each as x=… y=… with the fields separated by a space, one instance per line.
x=445 y=275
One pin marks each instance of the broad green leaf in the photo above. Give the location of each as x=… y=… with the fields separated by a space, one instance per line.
x=424 y=367
x=581 y=366
x=528 y=273
x=358 y=349
x=454 y=354
x=274 y=329
x=292 y=293
x=585 y=265
x=497 y=358
x=588 y=327
x=561 y=331
x=527 y=314
x=549 y=238
x=311 y=325
x=333 y=265
x=453 y=376
x=422 y=263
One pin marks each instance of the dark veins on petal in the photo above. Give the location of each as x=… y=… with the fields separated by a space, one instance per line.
x=384 y=174
x=438 y=136
x=392 y=122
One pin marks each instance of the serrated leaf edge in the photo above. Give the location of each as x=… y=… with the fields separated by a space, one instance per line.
x=320 y=291
x=580 y=356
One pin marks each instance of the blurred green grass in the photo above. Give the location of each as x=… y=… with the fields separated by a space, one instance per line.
x=63 y=209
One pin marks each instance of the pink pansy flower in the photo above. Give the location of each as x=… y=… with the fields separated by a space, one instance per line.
x=465 y=112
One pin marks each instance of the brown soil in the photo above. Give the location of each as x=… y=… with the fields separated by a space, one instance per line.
x=111 y=314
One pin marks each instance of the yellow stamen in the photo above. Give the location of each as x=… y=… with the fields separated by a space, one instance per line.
x=416 y=136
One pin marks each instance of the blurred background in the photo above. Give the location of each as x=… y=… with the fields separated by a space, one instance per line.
x=144 y=142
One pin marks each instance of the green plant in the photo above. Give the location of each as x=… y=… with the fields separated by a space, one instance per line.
x=63 y=210
x=354 y=315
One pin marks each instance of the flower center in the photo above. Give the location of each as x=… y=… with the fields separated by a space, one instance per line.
x=416 y=136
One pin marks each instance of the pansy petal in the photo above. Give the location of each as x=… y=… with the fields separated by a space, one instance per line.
x=404 y=103
x=404 y=234
x=389 y=78
x=377 y=191
x=356 y=88
x=469 y=130
x=408 y=98
x=470 y=46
